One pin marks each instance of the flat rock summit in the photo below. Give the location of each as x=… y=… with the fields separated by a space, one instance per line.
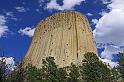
x=66 y=36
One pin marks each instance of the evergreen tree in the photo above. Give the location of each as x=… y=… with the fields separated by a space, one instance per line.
x=33 y=74
x=62 y=75
x=121 y=65
x=51 y=72
x=19 y=74
x=74 y=73
x=115 y=74
x=48 y=73
x=3 y=69
x=93 y=70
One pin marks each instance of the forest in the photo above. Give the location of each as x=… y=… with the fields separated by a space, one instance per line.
x=91 y=70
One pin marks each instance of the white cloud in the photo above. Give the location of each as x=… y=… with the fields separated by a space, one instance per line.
x=53 y=5
x=116 y=4
x=9 y=13
x=9 y=62
x=110 y=63
x=103 y=13
x=10 y=16
x=89 y=14
x=110 y=29
x=94 y=21
x=27 y=31
x=3 y=27
x=109 y=50
x=40 y=2
x=106 y=1
x=20 y=9
x=67 y=4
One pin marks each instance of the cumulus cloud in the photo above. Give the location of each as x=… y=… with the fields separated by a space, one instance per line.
x=10 y=63
x=109 y=50
x=102 y=13
x=67 y=4
x=89 y=14
x=94 y=21
x=20 y=9
x=53 y=5
x=106 y=1
x=3 y=27
x=110 y=29
x=116 y=4
x=27 y=31
x=110 y=63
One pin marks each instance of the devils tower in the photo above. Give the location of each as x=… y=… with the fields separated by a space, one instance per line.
x=66 y=36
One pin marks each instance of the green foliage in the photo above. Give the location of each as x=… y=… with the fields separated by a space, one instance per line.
x=2 y=70
x=115 y=74
x=118 y=72
x=50 y=71
x=19 y=74
x=121 y=66
x=74 y=73
x=25 y=74
x=93 y=70
x=33 y=74
x=62 y=76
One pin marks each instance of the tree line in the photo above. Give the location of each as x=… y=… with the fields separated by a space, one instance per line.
x=91 y=70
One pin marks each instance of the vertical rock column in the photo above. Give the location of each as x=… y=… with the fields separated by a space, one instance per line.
x=66 y=36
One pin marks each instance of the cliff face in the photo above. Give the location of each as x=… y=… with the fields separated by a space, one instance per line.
x=66 y=36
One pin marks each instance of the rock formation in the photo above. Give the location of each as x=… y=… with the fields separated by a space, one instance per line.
x=66 y=36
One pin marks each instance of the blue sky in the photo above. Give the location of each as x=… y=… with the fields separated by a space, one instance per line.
x=18 y=19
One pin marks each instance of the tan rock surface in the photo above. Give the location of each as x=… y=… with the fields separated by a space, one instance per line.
x=66 y=36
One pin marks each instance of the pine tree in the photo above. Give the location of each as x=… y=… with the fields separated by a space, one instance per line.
x=33 y=74
x=115 y=74
x=18 y=75
x=93 y=70
x=121 y=65
x=51 y=72
x=62 y=75
x=3 y=69
x=74 y=73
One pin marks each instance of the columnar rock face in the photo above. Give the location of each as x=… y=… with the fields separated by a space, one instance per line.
x=66 y=36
